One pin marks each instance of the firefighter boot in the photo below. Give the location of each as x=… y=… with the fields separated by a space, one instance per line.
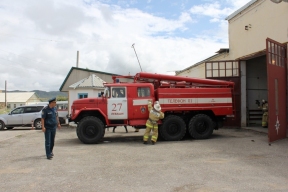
x=153 y=142
x=145 y=142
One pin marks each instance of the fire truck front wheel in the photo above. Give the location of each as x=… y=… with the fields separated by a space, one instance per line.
x=173 y=128
x=201 y=126
x=90 y=130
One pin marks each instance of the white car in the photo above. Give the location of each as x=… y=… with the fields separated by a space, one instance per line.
x=22 y=116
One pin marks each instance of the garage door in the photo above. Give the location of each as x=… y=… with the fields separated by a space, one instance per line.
x=276 y=76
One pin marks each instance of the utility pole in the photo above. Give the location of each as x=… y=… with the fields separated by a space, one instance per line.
x=77 y=60
x=136 y=56
x=5 y=95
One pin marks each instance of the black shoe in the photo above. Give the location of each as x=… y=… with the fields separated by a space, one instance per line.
x=153 y=142
x=52 y=154
x=145 y=142
x=49 y=158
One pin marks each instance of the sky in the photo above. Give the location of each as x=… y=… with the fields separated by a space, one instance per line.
x=39 y=40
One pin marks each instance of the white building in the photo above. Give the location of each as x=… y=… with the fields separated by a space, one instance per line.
x=81 y=83
x=89 y=87
x=17 y=99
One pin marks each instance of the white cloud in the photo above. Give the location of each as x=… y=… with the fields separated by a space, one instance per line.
x=218 y=9
x=39 y=40
x=213 y=10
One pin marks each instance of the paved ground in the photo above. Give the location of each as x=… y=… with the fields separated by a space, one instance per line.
x=232 y=160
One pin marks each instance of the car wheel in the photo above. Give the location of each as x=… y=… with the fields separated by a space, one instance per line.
x=37 y=124
x=2 y=125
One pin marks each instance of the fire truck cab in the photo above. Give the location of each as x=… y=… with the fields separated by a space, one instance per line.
x=197 y=106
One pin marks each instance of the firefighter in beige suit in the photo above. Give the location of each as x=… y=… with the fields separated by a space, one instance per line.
x=264 y=108
x=154 y=115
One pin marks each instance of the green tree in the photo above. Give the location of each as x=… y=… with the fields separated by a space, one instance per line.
x=62 y=98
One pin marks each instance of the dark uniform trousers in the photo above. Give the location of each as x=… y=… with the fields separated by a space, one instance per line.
x=49 y=140
x=50 y=123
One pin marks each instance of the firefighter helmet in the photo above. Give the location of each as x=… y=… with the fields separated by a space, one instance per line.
x=157 y=106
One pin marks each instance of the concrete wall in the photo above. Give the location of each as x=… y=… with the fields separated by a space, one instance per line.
x=264 y=19
x=198 y=70
x=243 y=74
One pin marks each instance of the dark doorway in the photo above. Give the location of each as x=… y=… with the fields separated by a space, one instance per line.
x=256 y=89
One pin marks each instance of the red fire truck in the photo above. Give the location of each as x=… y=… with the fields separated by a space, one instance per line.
x=195 y=105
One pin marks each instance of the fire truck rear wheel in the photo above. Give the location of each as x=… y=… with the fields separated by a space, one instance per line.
x=201 y=126
x=173 y=128
x=90 y=130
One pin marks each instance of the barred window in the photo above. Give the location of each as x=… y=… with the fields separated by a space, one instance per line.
x=222 y=69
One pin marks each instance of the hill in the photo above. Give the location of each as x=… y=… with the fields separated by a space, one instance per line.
x=50 y=94
x=44 y=95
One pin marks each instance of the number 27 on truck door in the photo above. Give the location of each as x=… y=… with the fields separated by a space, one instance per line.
x=114 y=105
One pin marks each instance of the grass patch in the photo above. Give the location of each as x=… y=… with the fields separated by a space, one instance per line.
x=4 y=111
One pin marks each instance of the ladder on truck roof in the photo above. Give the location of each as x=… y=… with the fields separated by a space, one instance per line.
x=160 y=80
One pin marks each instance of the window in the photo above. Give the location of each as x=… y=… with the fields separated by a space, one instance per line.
x=39 y=108
x=222 y=69
x=119 y=92
x=62 y=106
x=8 y=106
x=30 y=109
x=82 y=95
x=276 y=54
x=14 y=106
x=143 y=92
x=18 y=110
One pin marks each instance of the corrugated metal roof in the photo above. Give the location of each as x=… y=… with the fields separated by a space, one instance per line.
x=88 y=70
x=16 y=97
x=241 y=9
x=91 y=81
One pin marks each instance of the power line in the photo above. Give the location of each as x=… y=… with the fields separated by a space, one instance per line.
x=41 y=39
x=22 y=56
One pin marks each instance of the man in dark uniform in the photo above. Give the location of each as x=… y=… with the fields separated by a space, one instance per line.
x=49 y=122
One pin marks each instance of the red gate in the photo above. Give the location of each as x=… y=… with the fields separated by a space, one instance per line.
x=276 y=76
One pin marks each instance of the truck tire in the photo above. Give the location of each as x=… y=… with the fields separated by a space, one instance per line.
x=173 y=128
x=90 y=130
x=201 y=126
x=61 y=120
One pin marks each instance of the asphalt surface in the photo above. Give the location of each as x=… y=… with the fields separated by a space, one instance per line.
x=232 y=160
